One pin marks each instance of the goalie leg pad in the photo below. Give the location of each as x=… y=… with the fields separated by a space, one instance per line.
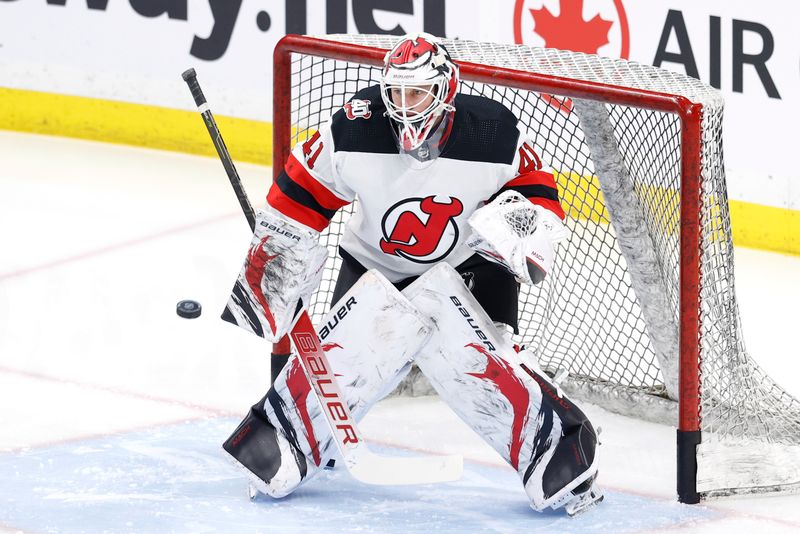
x=370 y=336
x=508 y=402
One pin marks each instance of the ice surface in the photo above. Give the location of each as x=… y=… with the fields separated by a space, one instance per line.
x=174 y=479
x=112 y=408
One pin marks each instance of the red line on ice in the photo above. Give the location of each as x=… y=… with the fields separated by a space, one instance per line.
x=113 y=248
x=127 y=393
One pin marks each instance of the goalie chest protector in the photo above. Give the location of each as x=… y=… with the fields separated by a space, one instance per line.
x=410 y=214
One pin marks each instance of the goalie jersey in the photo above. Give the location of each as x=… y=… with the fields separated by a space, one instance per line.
x=411 y=214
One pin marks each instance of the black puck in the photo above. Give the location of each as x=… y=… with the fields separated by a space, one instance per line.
x=188 y=309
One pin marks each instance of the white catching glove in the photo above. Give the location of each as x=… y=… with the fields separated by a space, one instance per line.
x=517 y=234
x=284 y=265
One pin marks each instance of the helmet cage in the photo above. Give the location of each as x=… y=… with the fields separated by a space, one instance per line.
x=418 y=63
x=414 y=126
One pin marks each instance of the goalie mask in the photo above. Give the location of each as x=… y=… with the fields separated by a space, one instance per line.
x=418 y=85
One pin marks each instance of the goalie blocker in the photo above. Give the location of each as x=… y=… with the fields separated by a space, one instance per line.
x=282 y=269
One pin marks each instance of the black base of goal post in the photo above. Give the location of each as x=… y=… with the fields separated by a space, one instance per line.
x=687 y=466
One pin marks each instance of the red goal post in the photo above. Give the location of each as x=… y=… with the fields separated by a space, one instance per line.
x=314 y=76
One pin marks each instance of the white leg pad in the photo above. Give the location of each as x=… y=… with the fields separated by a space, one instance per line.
x=473 y=368
x=370 y=337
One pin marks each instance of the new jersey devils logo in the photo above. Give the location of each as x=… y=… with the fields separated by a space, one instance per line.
x=421 y=230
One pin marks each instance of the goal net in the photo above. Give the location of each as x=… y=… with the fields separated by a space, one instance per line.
x=639 y=313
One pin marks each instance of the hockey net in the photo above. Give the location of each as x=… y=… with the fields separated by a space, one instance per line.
x=639 y=310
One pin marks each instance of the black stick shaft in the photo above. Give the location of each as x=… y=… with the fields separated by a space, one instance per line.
x=278 y=361
x=190 y=77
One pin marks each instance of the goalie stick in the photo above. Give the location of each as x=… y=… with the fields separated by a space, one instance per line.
x=361 y=462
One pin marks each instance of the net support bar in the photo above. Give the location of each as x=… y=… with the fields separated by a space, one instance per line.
x=636 y=243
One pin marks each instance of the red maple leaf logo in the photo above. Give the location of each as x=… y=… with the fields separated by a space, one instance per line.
x=568 y=30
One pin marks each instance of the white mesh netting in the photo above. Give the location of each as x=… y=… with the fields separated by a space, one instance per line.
x=608 y=312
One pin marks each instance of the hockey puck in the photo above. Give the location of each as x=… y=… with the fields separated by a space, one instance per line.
x=188 y=309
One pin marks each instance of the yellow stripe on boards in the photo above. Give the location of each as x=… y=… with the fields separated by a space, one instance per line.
x=132 y=124
x=754 y=225
x=765 y=227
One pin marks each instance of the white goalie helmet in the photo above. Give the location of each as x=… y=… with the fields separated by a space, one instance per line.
x=419 y=82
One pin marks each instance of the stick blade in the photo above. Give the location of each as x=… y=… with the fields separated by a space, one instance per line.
x=371 y=468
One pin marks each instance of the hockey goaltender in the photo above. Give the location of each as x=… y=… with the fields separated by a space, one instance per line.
x=455 y=210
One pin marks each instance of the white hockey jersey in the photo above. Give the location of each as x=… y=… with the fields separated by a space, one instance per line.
x=410 y=214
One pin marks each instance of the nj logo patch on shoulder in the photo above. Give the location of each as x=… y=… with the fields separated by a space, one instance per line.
x=357 y=109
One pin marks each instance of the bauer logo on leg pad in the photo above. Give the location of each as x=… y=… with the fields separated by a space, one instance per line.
x=337 y=316
x=472 y=322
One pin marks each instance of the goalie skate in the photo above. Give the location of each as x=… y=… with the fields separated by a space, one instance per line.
x=581 y=499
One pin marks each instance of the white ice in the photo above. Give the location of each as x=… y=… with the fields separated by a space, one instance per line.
x=112 y=408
